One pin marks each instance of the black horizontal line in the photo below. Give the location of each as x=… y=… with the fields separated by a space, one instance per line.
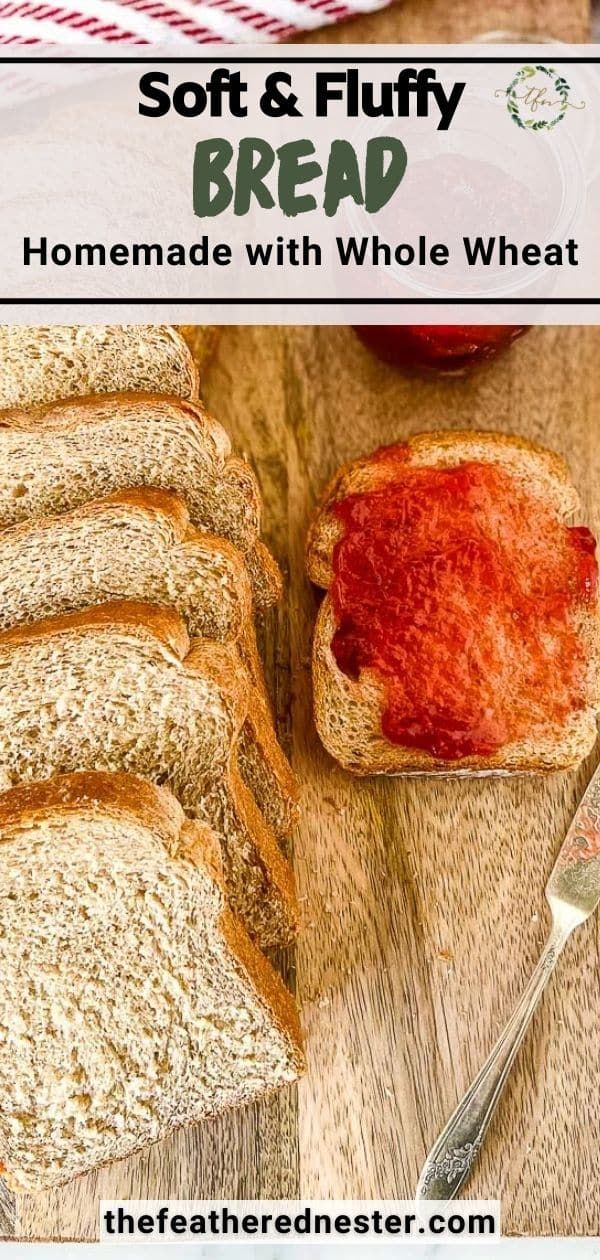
x=278 y=60
x=298 y=301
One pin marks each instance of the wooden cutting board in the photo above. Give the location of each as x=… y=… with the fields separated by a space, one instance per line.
x=422 y=900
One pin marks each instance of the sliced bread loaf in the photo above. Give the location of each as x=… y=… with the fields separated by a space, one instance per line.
x=132 y=1001
x=117 y=687
x=134 y=544
x=479 y=612
x=57 y=457
x=40 y=365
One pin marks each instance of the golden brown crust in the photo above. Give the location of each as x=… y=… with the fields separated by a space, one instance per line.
x=280 y=874
x=248 y=648
x=200 y=844
x=247 y=703
x=421 y=444
x=89 y=791
x=221 y=663
x=59 y=412
x=260 y=724
x=147 y=499
x=124 y=795
x=265 y=569
x=555 y=465
x=174 y=513
x=127 y=795
x=269 y=985
x=172 y=509
x=132 y=615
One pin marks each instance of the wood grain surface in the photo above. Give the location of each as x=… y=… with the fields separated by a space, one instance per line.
x=423 y=901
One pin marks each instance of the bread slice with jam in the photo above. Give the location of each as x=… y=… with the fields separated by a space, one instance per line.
x=460 y=630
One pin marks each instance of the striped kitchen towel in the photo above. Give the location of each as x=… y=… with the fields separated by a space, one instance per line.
x=182 y=22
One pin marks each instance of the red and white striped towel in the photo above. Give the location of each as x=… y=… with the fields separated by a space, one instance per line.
x=181 y=22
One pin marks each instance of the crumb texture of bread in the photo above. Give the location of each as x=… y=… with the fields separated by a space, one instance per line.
x=58 y=457
x=129 y=545
x=133 y=1002
x=115 y=688
x=42 y=364
x=348 y=711
x=140 y=545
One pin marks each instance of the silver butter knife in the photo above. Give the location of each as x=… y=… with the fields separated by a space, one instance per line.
x=572 y=892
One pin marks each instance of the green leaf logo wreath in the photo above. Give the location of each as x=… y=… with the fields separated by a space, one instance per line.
x=515 y=98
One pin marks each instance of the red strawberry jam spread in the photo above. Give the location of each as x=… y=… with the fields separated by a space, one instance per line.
x=458 y=588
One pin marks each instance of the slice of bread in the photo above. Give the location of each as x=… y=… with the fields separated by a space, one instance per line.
x=57 y=457
x=348 y=711
x=134 y=544
x=117 y=687
x=132 y=1001
x=40 y=365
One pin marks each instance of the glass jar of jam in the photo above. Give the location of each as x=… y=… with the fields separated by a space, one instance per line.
x=438 y=347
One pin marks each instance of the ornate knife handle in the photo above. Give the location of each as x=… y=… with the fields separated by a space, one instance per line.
x=450 y=1160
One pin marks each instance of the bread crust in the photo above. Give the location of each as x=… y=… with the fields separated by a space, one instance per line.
x=218 y=661
x=275 y=996
x=134 y=616
x=348 y=713
x=85 y=408
x=90 y=791
x=163 y=503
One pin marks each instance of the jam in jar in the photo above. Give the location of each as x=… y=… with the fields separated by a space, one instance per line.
x=438 y=347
